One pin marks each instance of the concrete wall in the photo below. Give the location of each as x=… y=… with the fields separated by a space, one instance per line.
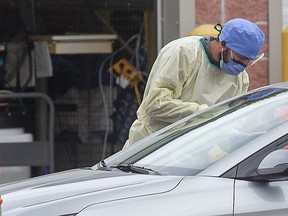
x=220 y=11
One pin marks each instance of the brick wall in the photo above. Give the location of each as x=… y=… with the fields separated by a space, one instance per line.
x=221 y=11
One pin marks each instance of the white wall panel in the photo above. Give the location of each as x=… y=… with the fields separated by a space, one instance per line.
x=285 y=13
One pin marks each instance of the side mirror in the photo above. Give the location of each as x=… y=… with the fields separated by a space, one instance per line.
x=275 y=165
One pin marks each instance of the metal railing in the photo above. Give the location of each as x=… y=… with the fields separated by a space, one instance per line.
x=36 y=153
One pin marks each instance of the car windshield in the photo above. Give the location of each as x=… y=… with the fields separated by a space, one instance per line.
x=194 y=145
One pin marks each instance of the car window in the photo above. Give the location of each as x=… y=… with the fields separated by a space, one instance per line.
x=283 y=144
x=247 y=168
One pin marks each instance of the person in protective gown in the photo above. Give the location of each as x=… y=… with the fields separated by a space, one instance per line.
x=194 y=72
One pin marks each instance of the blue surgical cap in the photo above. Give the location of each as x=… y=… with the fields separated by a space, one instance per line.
x=243 y=37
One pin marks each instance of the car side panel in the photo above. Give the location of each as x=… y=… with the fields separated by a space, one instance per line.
x=261 y=198
x=193 y=196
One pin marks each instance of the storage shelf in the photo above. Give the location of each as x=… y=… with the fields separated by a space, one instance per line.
x=37 y=153
x=77 y=44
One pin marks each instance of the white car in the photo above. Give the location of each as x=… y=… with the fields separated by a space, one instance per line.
x=230 y=159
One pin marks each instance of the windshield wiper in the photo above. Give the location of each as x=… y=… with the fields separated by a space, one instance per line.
x=102 y=166
x=135 y=169
x=103 y=163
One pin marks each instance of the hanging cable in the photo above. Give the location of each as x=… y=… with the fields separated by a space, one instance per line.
x=105 y=104
x=137 y=93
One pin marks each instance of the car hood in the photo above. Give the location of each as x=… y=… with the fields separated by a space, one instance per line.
x=73 y=190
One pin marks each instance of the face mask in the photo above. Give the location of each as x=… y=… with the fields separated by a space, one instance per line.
x=231 y=67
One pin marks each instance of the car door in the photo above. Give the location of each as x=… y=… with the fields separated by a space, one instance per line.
x=254 y=196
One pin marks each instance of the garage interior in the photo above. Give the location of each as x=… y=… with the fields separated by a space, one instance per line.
x=90 y=57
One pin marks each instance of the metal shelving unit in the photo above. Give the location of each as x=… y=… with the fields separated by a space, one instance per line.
x=36 y=153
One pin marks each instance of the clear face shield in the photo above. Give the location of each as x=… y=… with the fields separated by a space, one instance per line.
x=235 y=66
x=258 y=57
